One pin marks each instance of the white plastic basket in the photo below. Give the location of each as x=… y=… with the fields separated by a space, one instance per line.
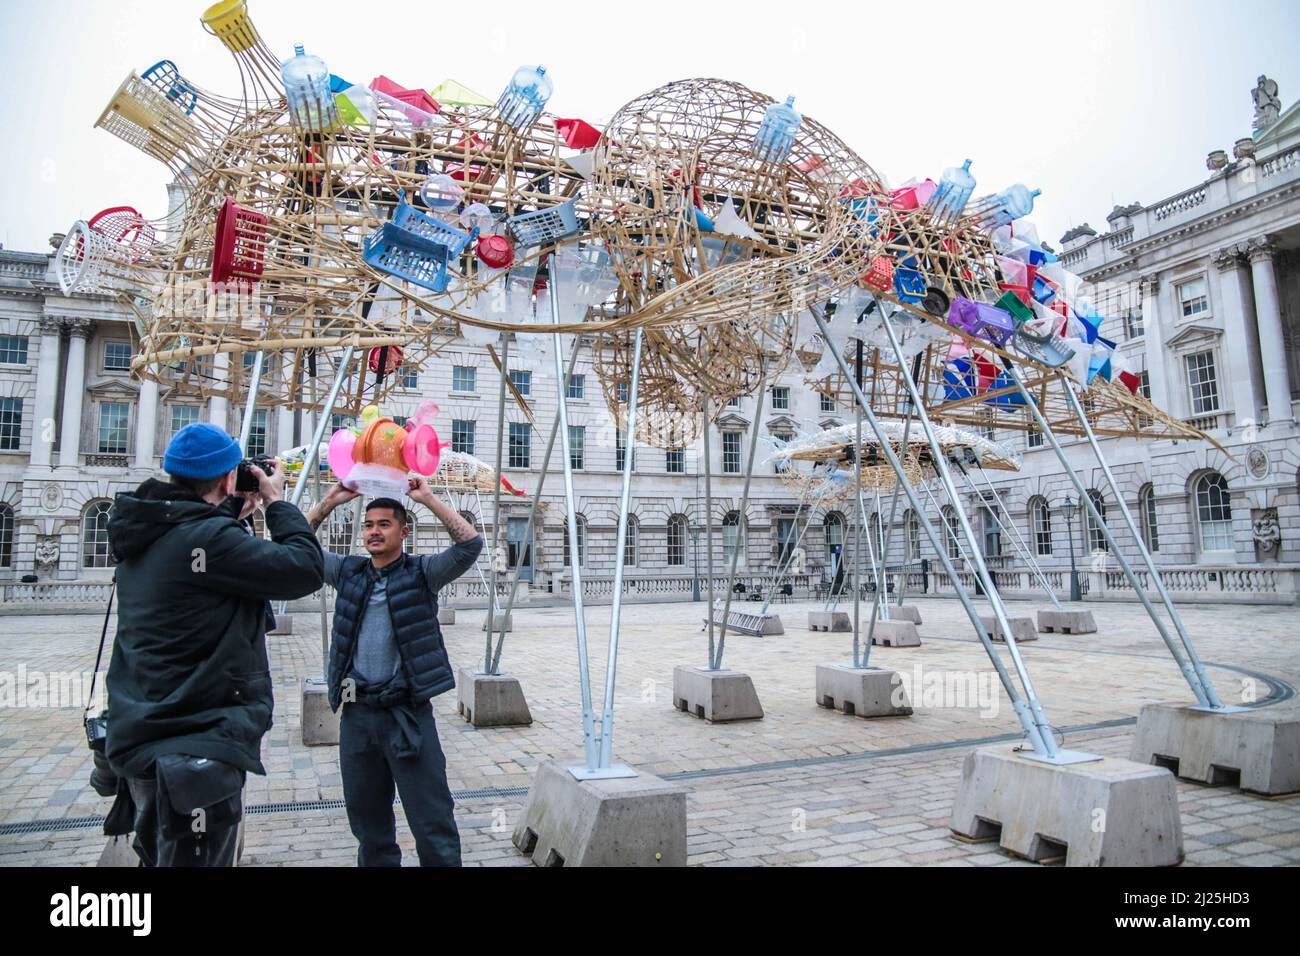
x=80 y=261
x=143 y=116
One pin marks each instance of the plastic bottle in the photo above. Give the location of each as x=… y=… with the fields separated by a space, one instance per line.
x=1014 y=202
x=525 y=96
x=955 y=188
x=775 y=136
x=307 y=88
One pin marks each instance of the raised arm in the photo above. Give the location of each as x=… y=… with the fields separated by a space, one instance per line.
x=447 y=566
x=460 y=530
x=338 y=495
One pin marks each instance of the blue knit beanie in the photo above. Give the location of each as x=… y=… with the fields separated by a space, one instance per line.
x=201 y=451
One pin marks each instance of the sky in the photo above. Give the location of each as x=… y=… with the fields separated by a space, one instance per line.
x=1095 y=104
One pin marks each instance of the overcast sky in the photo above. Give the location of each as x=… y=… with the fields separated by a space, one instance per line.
x=1095 y=104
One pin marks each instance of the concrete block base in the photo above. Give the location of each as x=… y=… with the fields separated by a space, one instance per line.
x=829 y=621
x=905 y=612
x=1256 y=750
x=496 y=623
x=1066 y=622
x=895 y=634
x=446 y=615
x=626 y=821
x=1109 y=812
x=320 y=725
x=491 y=700
x=283 y=624
x=715 y=696
x=862 y=691
x=1022 y=628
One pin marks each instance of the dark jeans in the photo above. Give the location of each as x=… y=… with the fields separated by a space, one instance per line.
x=370 y=769
x=214 y=847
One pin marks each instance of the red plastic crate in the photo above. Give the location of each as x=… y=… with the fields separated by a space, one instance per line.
x=881 y=274
x=239 y=252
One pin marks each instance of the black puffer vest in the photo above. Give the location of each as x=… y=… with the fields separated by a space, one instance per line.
x=414 y=612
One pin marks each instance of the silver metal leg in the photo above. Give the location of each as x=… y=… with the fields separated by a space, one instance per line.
x=708 y=523
x=496 y=506
x=250 y=409
x=861 y=523
x=784 y=569
x=889 y=534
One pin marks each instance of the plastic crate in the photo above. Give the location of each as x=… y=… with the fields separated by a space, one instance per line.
x=1049 y=350
x=140 y=114
x=545 y=226
x=239 y=248
x=228 y=22
x=881 y=274
x=124 y=225
x=416 y=247
x=166 y=78
x=81 y=258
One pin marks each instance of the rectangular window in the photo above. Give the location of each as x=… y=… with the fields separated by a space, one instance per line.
x=462 y=436
x=1034 y=436
x=117 y=356
x=1133 y=327
x=781 y=398
x=463 y=378
x=1144 y=384
x=733 y=402
x=825 y=402
x=781 y=465
x=113 y=426
x=623 y=392
x=521 y=443
x=410 y=377
x=11 y=423
x=577 y=386
x=620 y=452
x=338 y=420
x=13 y=349
x=1194 y=298
x=731 y=453
x=522 y=381
x=577 y=439
x=182 y=415
x=1202 y=383
x=675 y=461
x=257 y=433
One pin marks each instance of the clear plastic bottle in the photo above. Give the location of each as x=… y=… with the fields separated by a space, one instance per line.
x=955 y=188
x=1014 y=202
x=525 y=96
x=775 y=136
x=307 y=89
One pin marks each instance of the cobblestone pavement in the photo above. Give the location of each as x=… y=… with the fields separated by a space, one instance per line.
x=802 y=786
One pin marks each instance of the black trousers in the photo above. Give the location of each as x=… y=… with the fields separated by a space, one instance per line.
x=215 y=845
x=370 y=771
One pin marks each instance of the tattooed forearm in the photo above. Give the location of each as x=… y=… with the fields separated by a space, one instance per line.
x=457 y=527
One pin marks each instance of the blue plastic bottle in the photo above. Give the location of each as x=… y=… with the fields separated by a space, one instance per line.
x=1014 y=202
x=307 y=89
x=525 y=96
x=954 y=191
x=775 y=136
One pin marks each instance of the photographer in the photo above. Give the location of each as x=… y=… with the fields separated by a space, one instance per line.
x=387 y=661
x=189 y=686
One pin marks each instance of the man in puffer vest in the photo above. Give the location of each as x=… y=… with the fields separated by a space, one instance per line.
x=387 y=662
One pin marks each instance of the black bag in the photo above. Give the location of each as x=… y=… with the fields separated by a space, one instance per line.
x=197 y=793
x=97 y=727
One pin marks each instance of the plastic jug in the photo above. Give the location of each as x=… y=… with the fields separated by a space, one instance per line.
x=1014 y=202
x=955 y=188
x=307 y=89
x=775 y=136
x=525 y=96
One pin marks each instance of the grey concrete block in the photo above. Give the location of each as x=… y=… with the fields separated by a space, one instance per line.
x=829 y=621
x=715 y=696
x=491 y=700
x=496 y=622
x=320 y=725
x=625 y=821
x=446 y=615
x=895 y=634
x=1109 y=812
x=1066 y=622
x=905 y=612
x=862 y=691
x=1257 y=750
x=283 y=624
x=1022 y=628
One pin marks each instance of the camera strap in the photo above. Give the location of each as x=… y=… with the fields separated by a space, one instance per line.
x=99 y=655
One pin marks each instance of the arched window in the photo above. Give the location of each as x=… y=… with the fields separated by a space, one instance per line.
x=338 y=531
x=582 y=541
x=1214 y=512
x=6 y=536
x=677 y=530
x=95 y=552
x=1147 y=512
x=1040 y=526
x=951 y=531
x=833 y=525
x=733 y=538
x=1096 y=537
x=912 y=525
x=630 y=542
x=409 y=546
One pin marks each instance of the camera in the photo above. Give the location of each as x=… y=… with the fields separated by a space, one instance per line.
x=96 y=732
x=245 y=480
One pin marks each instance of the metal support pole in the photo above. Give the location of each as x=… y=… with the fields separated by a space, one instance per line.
x=862 y=519
x=1189 y=673
x=611 y=660
x=1212 y=698
x=708 y=524
x=785 y=566
x=496 y=505
x=246 y=426
x=1027 y=723
x=309 y=461
x=889 y=532
x=1009 y=527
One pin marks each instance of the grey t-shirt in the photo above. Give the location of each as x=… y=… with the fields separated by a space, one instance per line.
x=376 y=661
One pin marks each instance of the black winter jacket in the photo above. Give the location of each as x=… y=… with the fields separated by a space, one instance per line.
x=189 y=671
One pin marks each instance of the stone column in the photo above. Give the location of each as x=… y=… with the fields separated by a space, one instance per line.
x=146 y=424
x=281 y=436
x=219 y=408
x=1155 y=342
x=74 y=394
x=1268 y=318
x=1239 y=338
x=47 y=387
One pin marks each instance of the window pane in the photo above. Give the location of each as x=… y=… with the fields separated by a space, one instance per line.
x=257 y=434
x=463 y=378
x=113 y=419
x=1214 y=513
x=675 y=461
x=522 y=380
x=95 y=552
x=629 y=543
x=13 y=349
x=676 y=540
x=1096 y=538
x=781 y=397
x=577 y=386
x=1042 y=527
x=462 y=436
x=520 y=445
x=1193 y=297
x=6 y=537
x=182 y=415
x=1202 y=382
x=825 y=403
x=577 y=438
x=731 y=453
x=11 y=423
x=410 y=377
x=1150 y=525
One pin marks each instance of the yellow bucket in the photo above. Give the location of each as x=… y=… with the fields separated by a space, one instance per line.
x=228 y=21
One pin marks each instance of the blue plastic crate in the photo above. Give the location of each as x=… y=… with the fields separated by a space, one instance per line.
x=545 y=226
x=415 y=247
